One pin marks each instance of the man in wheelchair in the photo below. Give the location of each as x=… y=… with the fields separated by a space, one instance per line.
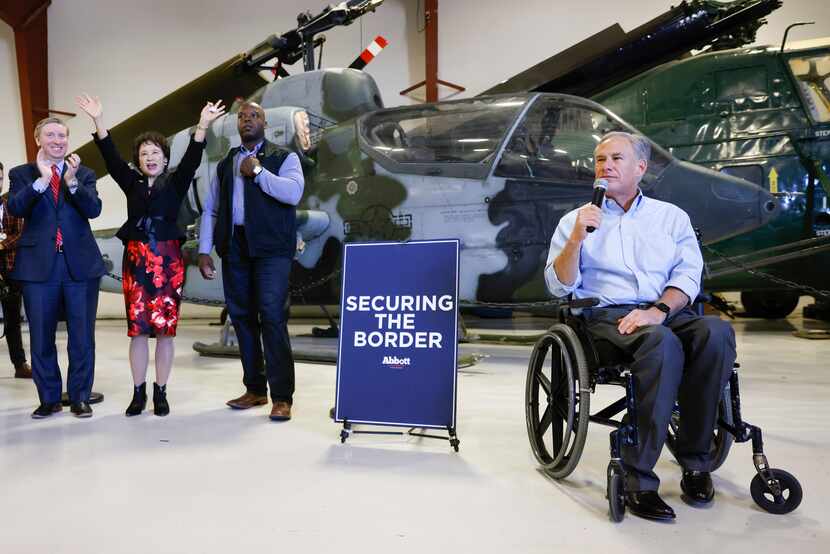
x=644 y=265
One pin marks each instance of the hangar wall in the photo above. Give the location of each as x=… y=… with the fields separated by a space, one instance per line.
x=12 y=148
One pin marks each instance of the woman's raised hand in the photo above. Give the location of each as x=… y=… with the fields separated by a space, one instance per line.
x=91 y=105
x=210 y=112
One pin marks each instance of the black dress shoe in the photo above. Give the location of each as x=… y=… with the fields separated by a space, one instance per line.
x=46 y=410
x=697 y=486
x=160 y=405
x=81 y=409
x=648 y=504
x=139 y=401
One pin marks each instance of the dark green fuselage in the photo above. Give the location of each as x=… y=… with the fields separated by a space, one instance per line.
x=759 y=114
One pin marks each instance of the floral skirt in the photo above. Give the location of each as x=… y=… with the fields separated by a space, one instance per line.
x=152 y=285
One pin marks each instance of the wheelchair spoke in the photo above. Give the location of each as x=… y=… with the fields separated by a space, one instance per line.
x=560 y=410
x=544 y=382
x=545 y=422
x=556 y=435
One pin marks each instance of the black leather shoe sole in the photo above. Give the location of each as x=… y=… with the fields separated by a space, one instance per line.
x=650 y=515
x=696 y=500
x=649 y=505
x=81 y=410
x=43 y=414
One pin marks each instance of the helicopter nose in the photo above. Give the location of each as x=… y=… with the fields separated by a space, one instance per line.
x=719 y=205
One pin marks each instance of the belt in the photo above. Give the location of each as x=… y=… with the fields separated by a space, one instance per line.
x=598 y=311
x=637 y=306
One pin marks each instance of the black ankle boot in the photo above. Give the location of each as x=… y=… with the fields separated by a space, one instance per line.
x=139 y=400
x=160 y=405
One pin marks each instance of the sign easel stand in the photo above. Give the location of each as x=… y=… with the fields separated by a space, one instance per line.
x=347 y=430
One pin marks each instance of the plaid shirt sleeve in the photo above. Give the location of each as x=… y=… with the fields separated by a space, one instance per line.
x=13 y=227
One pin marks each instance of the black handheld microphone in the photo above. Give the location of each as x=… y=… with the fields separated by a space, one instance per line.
x=600 y=186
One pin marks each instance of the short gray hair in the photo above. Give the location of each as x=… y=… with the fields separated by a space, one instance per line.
x=46 y=121
x=640 y=144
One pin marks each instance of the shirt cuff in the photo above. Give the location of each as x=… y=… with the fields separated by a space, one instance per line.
x=72 y=186
x=555 y=286
x=257 y=179
x=688 y=285
x=40 y=185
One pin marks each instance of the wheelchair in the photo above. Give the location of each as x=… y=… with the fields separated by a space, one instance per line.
x=565 y=367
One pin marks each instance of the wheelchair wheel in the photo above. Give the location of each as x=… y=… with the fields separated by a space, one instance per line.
x=791 y=492
x=557 y=400
x=615 y=494
x=721 y=439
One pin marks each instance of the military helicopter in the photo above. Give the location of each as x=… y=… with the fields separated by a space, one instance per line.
x=760 y=113
x=497 y=172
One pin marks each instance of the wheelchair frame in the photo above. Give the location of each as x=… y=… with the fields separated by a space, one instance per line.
x=576 y=368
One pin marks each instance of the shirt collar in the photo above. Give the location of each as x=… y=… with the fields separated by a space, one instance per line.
x=60 y=165
x=612 y=205
x=245 y=152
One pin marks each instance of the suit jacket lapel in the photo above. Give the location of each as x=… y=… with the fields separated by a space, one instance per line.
x=35 y=173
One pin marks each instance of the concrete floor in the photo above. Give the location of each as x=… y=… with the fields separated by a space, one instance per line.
x=208 y=479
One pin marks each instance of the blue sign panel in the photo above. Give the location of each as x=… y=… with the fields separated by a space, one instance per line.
x=398 y=334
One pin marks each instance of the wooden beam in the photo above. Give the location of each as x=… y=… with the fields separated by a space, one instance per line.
x=431 y=31
x=431 y=82
x=33 y=74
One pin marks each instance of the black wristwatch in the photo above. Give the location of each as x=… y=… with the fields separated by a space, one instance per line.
x=663 y=307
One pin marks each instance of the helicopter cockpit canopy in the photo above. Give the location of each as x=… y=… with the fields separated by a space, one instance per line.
x=544 y=136
x=458 y=138
x=556 y=138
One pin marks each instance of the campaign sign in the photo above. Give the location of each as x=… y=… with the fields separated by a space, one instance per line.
x=398 y=334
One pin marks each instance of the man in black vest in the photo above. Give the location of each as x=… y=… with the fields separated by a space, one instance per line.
x=249 y=216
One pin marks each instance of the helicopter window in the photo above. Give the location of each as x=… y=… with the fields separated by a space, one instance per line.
x=467 y=131
x=556 y=141
x=743 y=88
x=753 y=173
x=813 y=76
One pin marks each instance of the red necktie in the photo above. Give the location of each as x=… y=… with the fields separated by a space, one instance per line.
x=55 y=182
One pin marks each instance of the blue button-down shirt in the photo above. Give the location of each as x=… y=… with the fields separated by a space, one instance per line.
x=633 y=256
x=286 y=186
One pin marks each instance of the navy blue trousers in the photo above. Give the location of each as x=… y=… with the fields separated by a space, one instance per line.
x=44 y=301
x=256 y=292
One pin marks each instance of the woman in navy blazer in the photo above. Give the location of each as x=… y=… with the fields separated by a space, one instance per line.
x=152 y=268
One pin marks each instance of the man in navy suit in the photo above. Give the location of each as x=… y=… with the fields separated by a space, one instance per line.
x=59 y=264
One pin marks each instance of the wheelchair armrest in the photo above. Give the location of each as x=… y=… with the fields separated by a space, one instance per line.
x=583 y=303
x=572 y=304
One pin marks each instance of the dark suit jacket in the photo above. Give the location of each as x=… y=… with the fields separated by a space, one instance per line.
x=155 y=207
x=36 y=248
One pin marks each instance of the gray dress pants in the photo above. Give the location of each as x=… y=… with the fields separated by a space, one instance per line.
x=688 y=358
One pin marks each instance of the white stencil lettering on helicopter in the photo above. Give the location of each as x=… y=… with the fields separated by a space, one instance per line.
x=395 y=317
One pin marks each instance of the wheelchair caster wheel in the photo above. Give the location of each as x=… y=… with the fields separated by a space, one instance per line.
x=616 y=495
x=789 y=499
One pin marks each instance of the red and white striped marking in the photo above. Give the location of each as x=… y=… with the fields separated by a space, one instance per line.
x=369 y=54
